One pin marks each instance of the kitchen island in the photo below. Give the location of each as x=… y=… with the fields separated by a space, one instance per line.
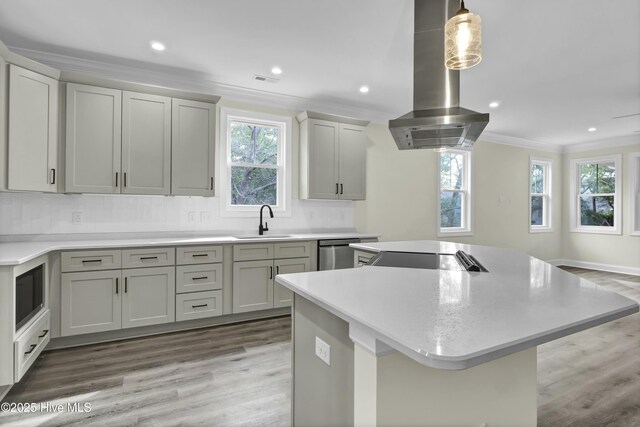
x=433 y=346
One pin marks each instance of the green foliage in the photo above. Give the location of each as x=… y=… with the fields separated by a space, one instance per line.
x=597 y=178
x=254 y=157
x=451 y=175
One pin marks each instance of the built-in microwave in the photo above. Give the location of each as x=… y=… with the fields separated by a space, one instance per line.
x=29 y=295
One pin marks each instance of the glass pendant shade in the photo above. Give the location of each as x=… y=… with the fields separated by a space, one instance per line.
x=462 y=41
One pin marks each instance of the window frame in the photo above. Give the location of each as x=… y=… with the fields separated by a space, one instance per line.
x=467 y=218
x=283 y=165
x=574 y=205
x=634 y=164
x=547 y=195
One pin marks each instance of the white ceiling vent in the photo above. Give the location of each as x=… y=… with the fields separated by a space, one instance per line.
x=260 y=78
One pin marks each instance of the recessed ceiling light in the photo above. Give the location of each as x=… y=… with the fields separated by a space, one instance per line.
x=364 y=89
x=592 y=129
x=276 y=70
x=494 y=104
x=155 y=45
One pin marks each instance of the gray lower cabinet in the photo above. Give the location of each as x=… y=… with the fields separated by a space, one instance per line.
x=91 y=302
x=99 y=301
x=252 y=285
x=255 y=268
x=33 y=131
x=283 y=297
x=148 y=297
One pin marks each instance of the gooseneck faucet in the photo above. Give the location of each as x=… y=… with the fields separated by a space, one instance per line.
x=261 y=228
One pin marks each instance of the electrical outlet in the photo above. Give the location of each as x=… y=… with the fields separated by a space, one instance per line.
x=191 y=216
x=76 y=218
x=205 y=216
x=323 y=351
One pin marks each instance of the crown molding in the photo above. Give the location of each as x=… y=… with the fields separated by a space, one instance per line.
x=520 y=142
x=182 y=79
x=603 y=144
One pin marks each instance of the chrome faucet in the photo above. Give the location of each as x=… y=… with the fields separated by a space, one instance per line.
x=261 y=228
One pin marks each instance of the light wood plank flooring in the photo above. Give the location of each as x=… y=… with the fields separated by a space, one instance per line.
x=240 y=375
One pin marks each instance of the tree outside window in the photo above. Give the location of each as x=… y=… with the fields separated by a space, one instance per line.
x=595 y=198
x=454 y=214
x=540 y=195
x=254 y=163
x=597 y=194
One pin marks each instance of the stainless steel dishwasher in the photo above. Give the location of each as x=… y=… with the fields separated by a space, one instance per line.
x=335 y=254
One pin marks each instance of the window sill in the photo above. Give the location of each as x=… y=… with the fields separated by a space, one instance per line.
x=540 y=230
x=596 y=231
x=455 y=233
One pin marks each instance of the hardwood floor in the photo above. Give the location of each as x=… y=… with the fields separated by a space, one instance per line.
x=239 y=375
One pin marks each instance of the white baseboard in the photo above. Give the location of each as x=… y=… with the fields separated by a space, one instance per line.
x=4 y=390
x=622 y=269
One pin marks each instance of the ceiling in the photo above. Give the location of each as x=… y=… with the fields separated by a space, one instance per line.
x=556 y=67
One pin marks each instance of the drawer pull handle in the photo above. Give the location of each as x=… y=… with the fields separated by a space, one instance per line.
x=33 y=347
x=199 y=305
x=144 y=258
x=85 y=261
x=44 y=333
x=199 y=255
x=200 y=278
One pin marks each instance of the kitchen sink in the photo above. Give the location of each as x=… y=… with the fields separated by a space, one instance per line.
x=264 y=236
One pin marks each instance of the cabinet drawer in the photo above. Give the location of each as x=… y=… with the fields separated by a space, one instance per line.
x=109 y=259
x=292 y=250
x=361 y=258
x=252 y=252
x=195 y=278
x=197 y=305
x=149 y=257
x=198 y=255
x=30 y=344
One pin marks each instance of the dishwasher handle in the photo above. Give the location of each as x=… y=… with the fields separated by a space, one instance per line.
x=337 y=242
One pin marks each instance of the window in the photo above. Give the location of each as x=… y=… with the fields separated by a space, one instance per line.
x=634 y=161
x=256 y=162
x=539 y=195
x=454 y=203
x=595 y=195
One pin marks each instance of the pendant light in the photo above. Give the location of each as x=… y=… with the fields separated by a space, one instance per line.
x=462 y=40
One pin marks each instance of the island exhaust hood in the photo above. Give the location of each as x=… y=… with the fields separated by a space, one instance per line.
x=437 y=120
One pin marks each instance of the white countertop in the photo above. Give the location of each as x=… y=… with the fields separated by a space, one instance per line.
x=14 y=253
x=457 y=319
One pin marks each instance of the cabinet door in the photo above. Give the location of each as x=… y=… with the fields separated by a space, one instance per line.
x=93 y=136
x=283 y=297
x=352 y=162
x=149 y=296
x=322 y=152
x=252 y=285
x=90 y=302
x=33 y=131
x=146 y=144
x=192 y=148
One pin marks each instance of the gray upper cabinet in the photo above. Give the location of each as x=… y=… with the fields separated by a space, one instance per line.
x=146 y=144
x=117 y=142
x=93 y=139
x=193 y=144
x=32 y=131
x=332 y=157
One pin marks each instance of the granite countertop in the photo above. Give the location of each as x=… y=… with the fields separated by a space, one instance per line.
x=18 y=252
x=457 y=319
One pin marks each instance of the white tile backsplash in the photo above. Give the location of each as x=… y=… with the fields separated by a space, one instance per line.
x=29 y=213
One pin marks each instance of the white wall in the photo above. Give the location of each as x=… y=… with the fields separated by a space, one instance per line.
x=609 y=249
x=402 y=195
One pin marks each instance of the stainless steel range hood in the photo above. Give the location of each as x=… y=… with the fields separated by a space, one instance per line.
x=437 y=120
